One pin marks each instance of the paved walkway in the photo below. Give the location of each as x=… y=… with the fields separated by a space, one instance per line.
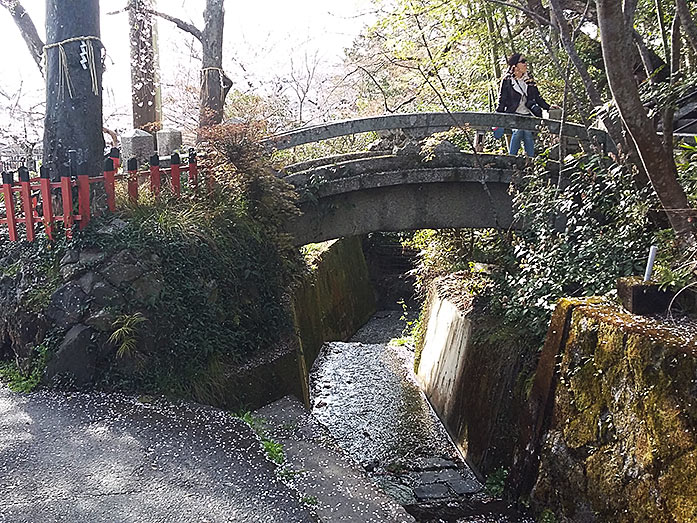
x=88 y=457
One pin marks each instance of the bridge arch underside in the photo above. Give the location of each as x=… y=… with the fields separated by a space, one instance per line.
x=392 y=208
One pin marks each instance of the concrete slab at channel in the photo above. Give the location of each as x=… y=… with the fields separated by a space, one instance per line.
x=336 y=487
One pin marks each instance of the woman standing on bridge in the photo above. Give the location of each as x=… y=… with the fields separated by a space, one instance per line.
x=519 y=95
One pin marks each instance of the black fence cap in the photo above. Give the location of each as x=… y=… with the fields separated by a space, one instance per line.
x=192 y=155
x=154 y=160
x=44 y=172
x=115 y=152
x=83 y=168
x=175 y=159
x=23 y=173
x=132 y=164
x=7 y=178
x=64 y=170
x=108 y=164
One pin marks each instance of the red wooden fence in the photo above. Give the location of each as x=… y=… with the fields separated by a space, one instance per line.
x=29 y=200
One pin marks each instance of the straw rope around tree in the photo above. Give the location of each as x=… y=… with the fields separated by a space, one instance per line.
x=87 y=61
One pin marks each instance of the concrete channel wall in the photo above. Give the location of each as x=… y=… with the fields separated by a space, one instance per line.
x=606 y=430
x=474 y=379
x=332 y=302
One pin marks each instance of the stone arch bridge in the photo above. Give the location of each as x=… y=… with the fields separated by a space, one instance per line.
x=357 y=193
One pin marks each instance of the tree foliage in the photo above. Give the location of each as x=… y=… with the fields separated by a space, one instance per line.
x=595 y=223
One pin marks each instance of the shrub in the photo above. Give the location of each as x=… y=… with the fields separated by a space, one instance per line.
x=580 y=233
x=224 y=263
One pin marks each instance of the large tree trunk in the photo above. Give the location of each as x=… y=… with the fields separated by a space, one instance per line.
x=212 y=76
x=215 y=84
x=614 y=128
x=659 y=164
x=73 y=94
x=669 y=111
x=688 y=23
x=144 y=88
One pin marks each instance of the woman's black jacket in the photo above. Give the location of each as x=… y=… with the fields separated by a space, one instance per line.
x=509 y=98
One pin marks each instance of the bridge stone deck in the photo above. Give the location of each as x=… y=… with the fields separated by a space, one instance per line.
x=361 y=192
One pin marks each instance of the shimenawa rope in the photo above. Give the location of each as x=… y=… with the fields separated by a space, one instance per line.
x=87 y=50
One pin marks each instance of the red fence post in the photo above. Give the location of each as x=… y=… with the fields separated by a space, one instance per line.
x=67 y=196
x=109 y=181
x=193 y=169
x=155 y=176
x=25 y=190
x=46 y=203
x=83 y=199
x=175 y=163
x=9 y=205
x=132 y=167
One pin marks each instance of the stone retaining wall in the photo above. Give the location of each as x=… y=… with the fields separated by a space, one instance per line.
x=82 y=302
x=621 y=443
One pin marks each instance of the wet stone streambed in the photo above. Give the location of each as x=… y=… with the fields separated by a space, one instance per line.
x=364 y=392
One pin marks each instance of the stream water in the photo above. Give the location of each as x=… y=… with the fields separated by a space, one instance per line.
x=364 y=391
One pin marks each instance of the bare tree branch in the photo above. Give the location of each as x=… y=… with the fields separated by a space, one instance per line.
x=428 y=51
x=388 y=109
x=645 y=56
x=536 y=11
x=181 y=24
x=530 y=13
x=27 y=29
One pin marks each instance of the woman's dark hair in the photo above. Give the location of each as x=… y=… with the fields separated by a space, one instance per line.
x=514 y=59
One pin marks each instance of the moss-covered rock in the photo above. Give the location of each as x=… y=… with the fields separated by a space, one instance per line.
x=625 y=413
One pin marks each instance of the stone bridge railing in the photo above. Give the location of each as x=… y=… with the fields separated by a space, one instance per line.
x=429 y=123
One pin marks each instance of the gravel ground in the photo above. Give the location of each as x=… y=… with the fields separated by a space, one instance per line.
x=366 y=394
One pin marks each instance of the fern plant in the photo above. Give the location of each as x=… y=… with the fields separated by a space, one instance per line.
x=125 y=334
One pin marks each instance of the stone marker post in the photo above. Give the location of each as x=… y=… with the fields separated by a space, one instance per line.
x=168 y=141
x=137 y=144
